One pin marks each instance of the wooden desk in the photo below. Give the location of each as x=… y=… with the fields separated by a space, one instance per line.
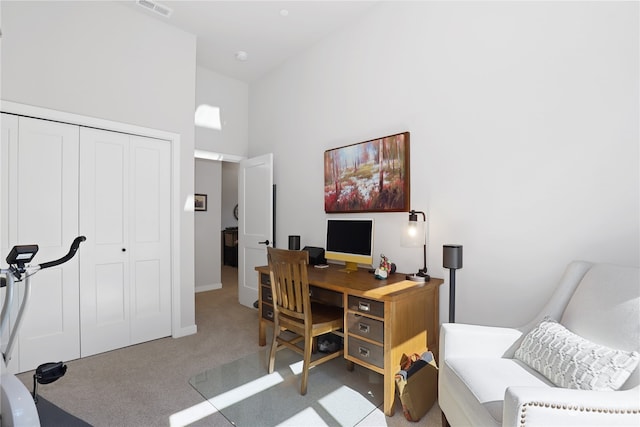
x=383 y=318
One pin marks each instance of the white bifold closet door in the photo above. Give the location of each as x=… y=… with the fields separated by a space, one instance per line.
x=40 y=206
x=125 y=294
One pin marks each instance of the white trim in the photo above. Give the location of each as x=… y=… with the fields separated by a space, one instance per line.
x=211 y=155
x=176 y=212
x=211 y=287
x=183 y=332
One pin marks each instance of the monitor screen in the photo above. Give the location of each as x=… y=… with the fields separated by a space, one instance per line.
x=351 y=241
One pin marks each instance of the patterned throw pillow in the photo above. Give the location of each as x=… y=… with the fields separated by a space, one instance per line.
x=570 y=361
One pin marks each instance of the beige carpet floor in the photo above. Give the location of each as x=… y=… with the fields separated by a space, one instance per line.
x=148 y=384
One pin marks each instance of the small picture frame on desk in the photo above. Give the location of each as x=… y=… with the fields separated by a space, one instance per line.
x=200 y=202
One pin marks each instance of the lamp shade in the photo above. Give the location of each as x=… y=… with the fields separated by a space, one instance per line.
x=452 y=256
x=414 y=234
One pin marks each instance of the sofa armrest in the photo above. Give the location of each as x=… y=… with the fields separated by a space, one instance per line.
x=541 y=406
x=462 y=340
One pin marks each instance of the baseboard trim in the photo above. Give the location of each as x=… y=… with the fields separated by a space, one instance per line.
x=211 y=287
x=183 y=332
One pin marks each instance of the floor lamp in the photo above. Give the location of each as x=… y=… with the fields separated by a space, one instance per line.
x=452 y=259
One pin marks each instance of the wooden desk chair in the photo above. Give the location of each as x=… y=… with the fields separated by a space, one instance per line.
x=294 y=311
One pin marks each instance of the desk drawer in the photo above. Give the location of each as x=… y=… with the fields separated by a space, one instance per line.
x=265 y=279
x=367 y=306
x=365 y=327
x=326 y=296
x=267 y=312
x=267 y=295
x=367 y=352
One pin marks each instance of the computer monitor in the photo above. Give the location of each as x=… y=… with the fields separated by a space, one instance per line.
x=351 y=241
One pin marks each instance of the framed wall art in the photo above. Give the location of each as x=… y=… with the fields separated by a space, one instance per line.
x=200 y=202
x=371 y=176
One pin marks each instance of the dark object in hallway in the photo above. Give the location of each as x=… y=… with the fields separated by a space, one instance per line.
x=230 y=246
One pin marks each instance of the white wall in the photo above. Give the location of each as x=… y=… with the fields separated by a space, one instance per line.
x=207 y=235
x=524 y=138
x=99 y=59
x=219 y=181
x=232 y=97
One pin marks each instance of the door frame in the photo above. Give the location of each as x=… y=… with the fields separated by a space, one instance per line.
x=176 y=205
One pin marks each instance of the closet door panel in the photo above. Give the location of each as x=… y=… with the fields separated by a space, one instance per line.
x=109 y=162
x=44 y=211
x=9 y=135
x=9 y=130
x=148 y=290
x=110 y=294
x=104 y=272
x=150 y=199
x=125 y=208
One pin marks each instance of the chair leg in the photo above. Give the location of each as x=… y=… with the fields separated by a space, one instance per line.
x=305 y=364
x=272 y=352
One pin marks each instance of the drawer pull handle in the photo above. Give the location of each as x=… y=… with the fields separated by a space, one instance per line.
x=269 y=314
x=270 y=297
x=364 y=352
x=364 y=306
x=363 y=327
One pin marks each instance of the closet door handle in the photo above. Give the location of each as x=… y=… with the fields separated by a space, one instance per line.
x=266 y=242
x=124 y=249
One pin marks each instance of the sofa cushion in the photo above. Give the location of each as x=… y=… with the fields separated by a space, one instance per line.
x=479 y=383
x=605 y=307
x=571 y=361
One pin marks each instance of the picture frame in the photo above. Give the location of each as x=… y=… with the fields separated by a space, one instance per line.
x=200 y=202
x=370 y=176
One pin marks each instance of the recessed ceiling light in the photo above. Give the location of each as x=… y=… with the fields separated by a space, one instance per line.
x=241 y=55
x=284 y=12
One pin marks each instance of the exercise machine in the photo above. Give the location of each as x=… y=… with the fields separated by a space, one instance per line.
x=17 y=405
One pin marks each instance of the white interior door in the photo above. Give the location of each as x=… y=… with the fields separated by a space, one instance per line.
x=150 y=240
x=104 y=273
x=9 y=129
x=42 y=209
x=255 y=222
x=125 y=194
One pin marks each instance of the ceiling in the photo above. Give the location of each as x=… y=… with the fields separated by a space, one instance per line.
x=270 y=32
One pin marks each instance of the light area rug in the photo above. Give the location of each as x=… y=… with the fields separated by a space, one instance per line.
x=247 y=396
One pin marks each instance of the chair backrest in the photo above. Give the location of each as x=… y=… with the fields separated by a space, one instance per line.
x=605 y=309
x=290 y=283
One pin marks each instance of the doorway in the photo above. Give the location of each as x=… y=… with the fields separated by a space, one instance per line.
x=217 y=180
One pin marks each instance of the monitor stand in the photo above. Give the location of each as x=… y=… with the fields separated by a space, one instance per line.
x=350 y=267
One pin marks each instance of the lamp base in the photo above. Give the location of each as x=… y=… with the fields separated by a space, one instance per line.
x=418 y=277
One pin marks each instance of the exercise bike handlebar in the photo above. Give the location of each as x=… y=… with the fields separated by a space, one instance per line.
x=72 y=251
x=17 y=258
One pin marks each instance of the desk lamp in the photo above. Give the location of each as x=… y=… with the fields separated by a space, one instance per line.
x=415 y=236
x=452 y=259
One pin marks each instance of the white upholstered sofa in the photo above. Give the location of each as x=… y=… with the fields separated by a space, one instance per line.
x=483 y=383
